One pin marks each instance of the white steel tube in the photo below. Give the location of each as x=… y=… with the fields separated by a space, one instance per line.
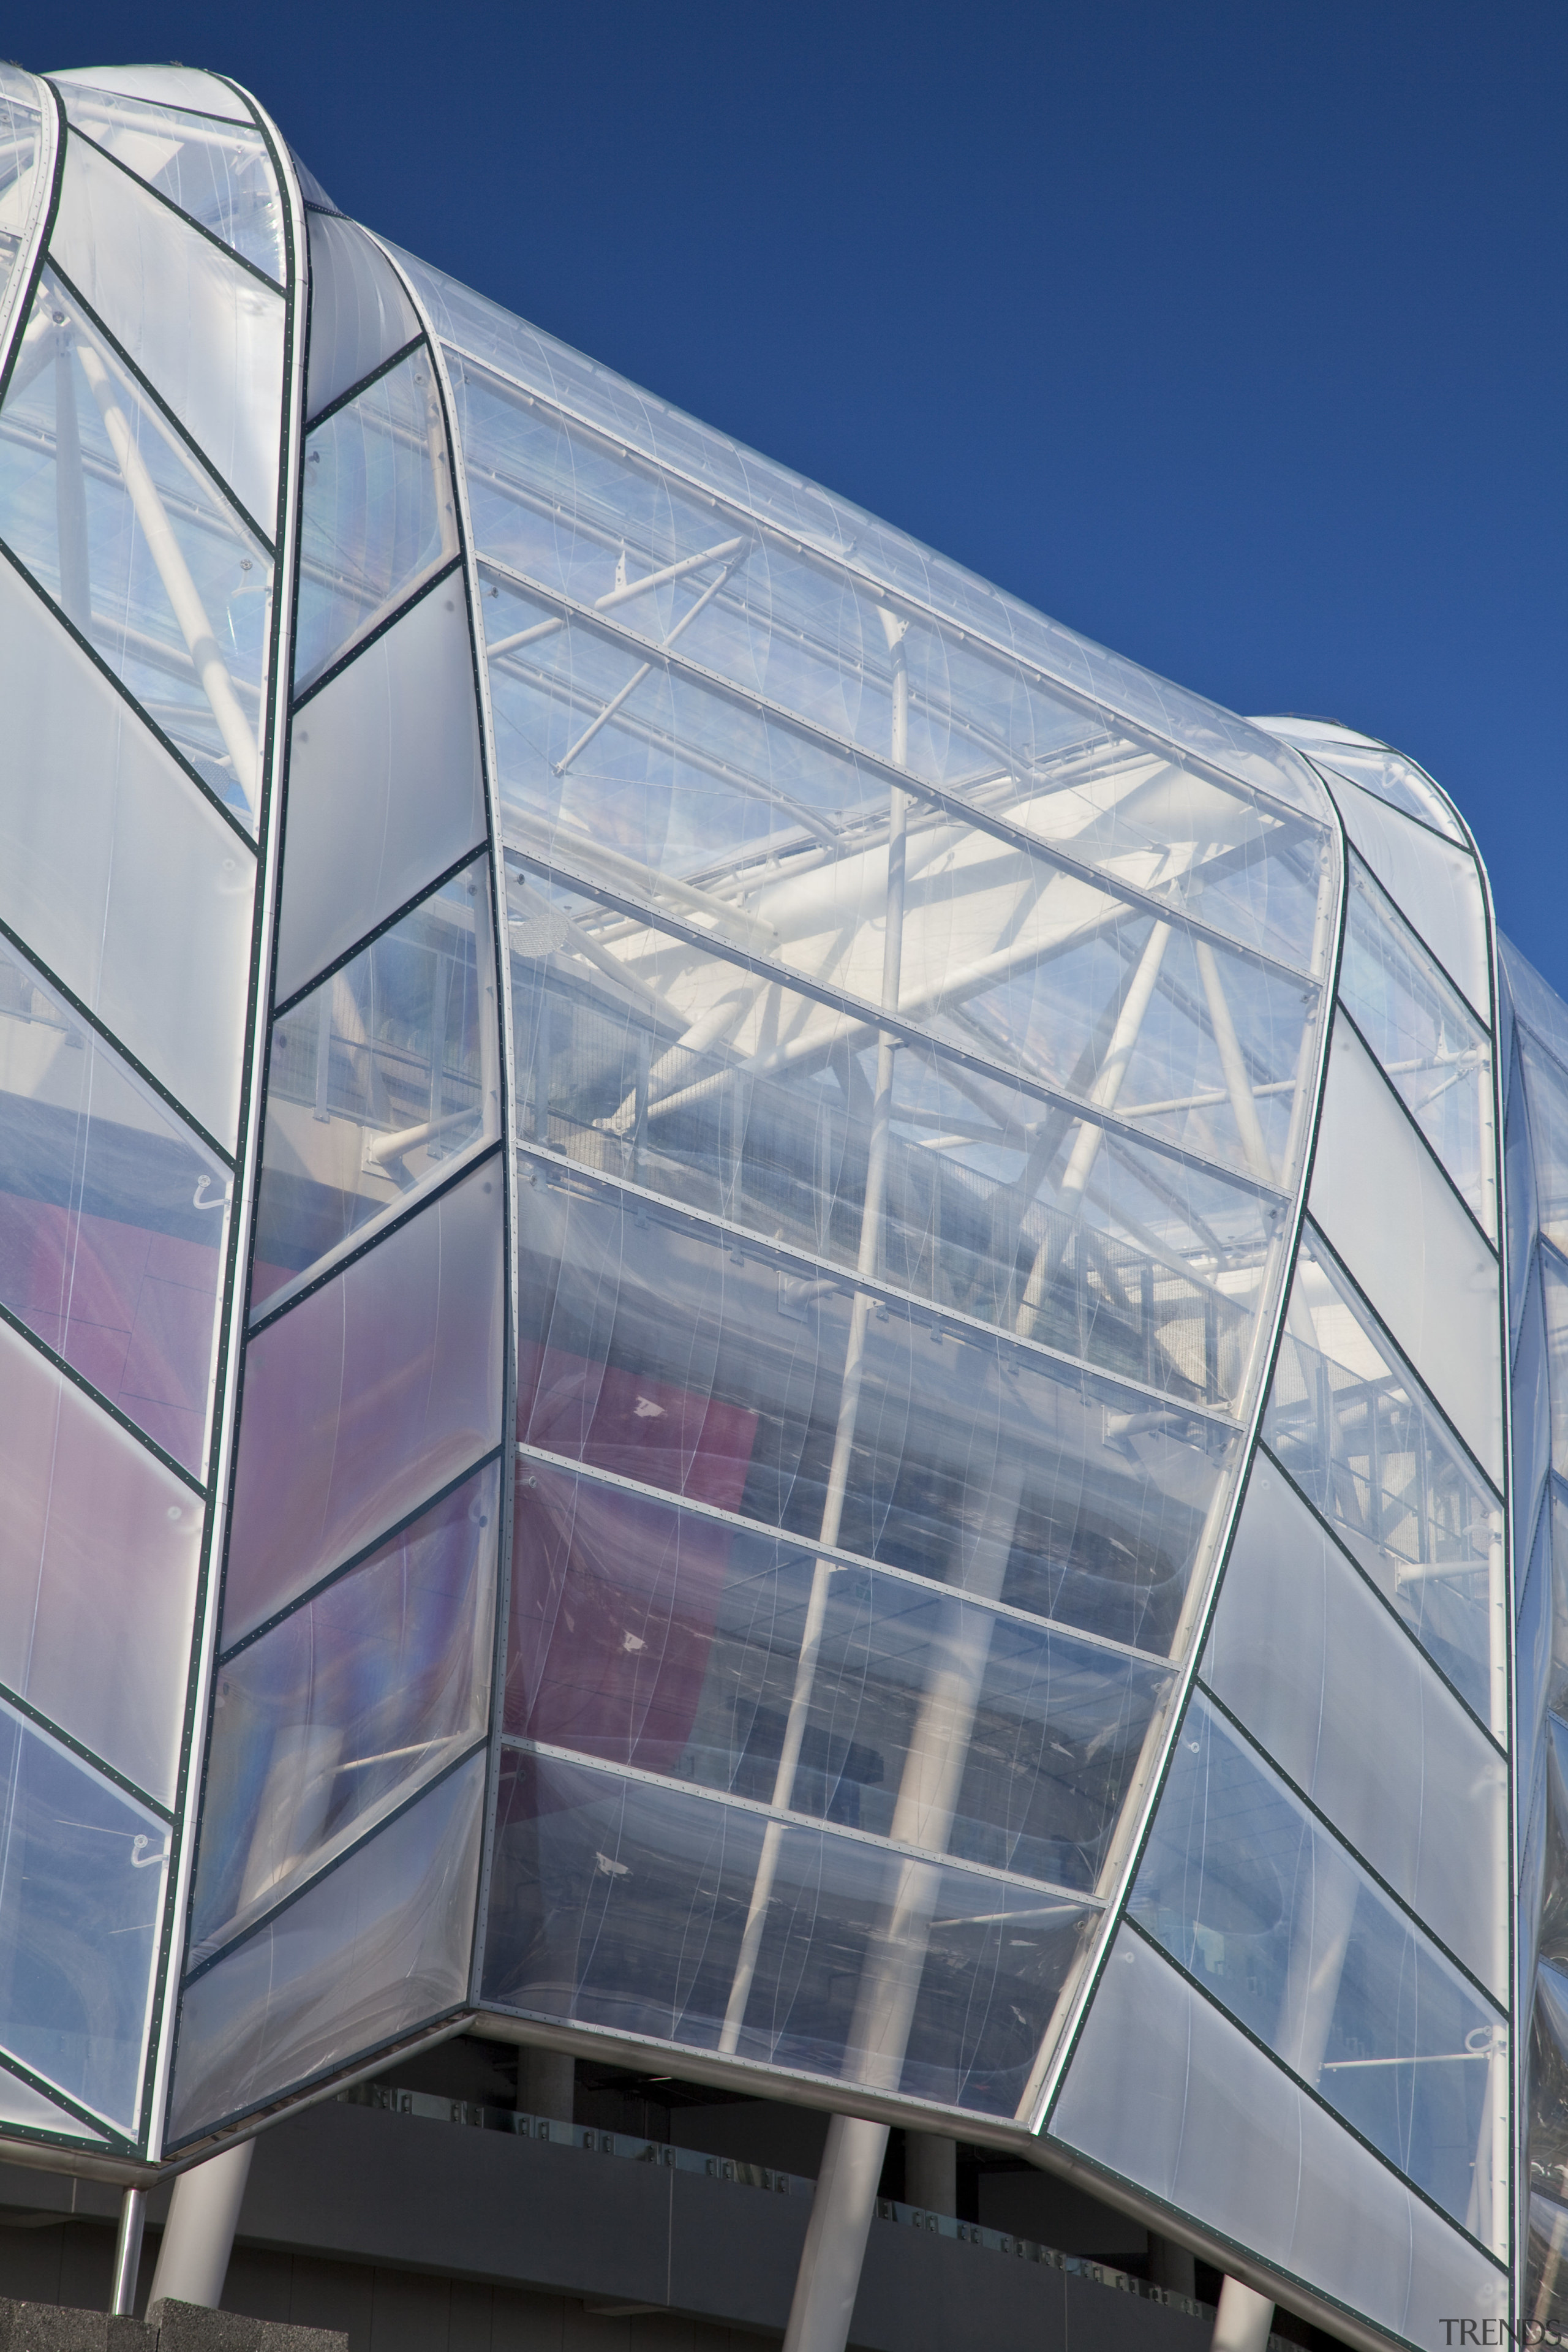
x=1243 y=2320
x=198 y=2236
x=830 y=2274
x=1239 y=1086
x=172 y=570
x=128 y=2252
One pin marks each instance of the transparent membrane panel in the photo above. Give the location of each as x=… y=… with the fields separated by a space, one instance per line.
x=1554 y=1293
x=379 y=1080
x=204 y=330
x=1394 y=1221
x=1376 y=766
x=22 y=2105
x=1546 y=2287
x=377 y=514
x=624 y=1904
x=374 y=1950
x=360 y=313
x=1534 y=1673
x=82 y=1892
x=185 y=87
x=99 y=1546
x=21 y=138
x=1544 y=1132
x=1366 y=1444
x=1166 y=2093
x=1434 y=884
x=121 y=878
x=131 y=537
x=1535 y=1361
x=113 y=1217
x=798 y=523
x=1537 y=1006
x=644 y=1635
x=657 y=1348
x=1277 y=1920
x=1431 y=1047
x=1318 y=1671
x=385 y=786
x=699 y=1077
x=217 y=172
x=366 y=1397
x=1519 y=1199
x=336 y=1716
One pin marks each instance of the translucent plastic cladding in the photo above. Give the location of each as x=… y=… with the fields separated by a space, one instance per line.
x=360 y=312
x=1376 y=766
x=382 y=1080
x=123 y=879
x=113 y=514
x=1434 y=884
x=376 y=1948
x=21 y=142
x=1166 y=2093
x=205 y=330
x=218 y=174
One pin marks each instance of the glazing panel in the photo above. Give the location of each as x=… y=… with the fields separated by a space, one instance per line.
x=360 y=313
x=1554 y=1291
x=98 y=1551
x=1323 y=1679
x=1546 y=1095
x=1434 y=1051
x=1432 y=883
x=1534 y=1422
x=1533 y=1645
x=365 y=1396
x=377 y=512
x=120 y=876
x=380 y=1078
x=1391 y=1216
x=647 y=1057
x=1536 y=1005
x=1518 y=1197
x=1273 y=1916
x=218 y=173
x=20 y=2104
x=1363 y=1441
x=375 y=1950
x=385 y=786
x=205 y=331
x=131 y=536
x=334 y=1718
x=1375 y=766
x=622 y=1302
x=21 y=138
x=181 y=86
x=647 y=1636
x=81 y=1888
x=113 y=1217
x=622 y=1903
x=848 y=547
x=1165 y=2092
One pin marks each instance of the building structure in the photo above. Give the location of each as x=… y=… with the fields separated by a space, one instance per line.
x=759 y=1324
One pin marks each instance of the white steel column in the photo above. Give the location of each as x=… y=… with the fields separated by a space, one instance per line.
x=198 y=2236
x=128 y=2252
x=830 y=2274
x=1243 y=2320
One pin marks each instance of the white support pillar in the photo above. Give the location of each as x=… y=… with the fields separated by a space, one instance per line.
x=830 y=2274
x=1243 y=2320
x=198 y=2236
x=128 y=2252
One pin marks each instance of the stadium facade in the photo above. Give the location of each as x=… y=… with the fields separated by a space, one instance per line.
x=758 y=1323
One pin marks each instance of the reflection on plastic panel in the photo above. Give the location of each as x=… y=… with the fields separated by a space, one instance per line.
x=99 y=1548
x=385 y=788
x=1434 y=884
x=113 y=1217
x=21 y=141
x=81 y=1888
x=22 y=2105
x=790 y=508
x=133 y=539
x=1394 y=1221
x=379 y=1080
x=647 y=1636
x=1110 y=1498
x=335 y=1717
x=377 y=512
x=648 y=1057
x=204 y=330
x=121 y=878
x=1519 y=1189
x=375 y=1950
x=1274 y=1919
x=1432 y=1049
x=185 y=87
x=624 y=1904
x=360 y=313
x=1376 y=766
x=217 y=173
x=365 y=1396
x=1163 y=2091
x=1533 y=1428
x=1323 y=1679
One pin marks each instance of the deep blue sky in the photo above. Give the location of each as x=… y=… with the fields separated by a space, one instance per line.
x=1233 y=335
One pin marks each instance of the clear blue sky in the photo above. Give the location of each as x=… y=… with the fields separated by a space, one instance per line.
x=1234 y=335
